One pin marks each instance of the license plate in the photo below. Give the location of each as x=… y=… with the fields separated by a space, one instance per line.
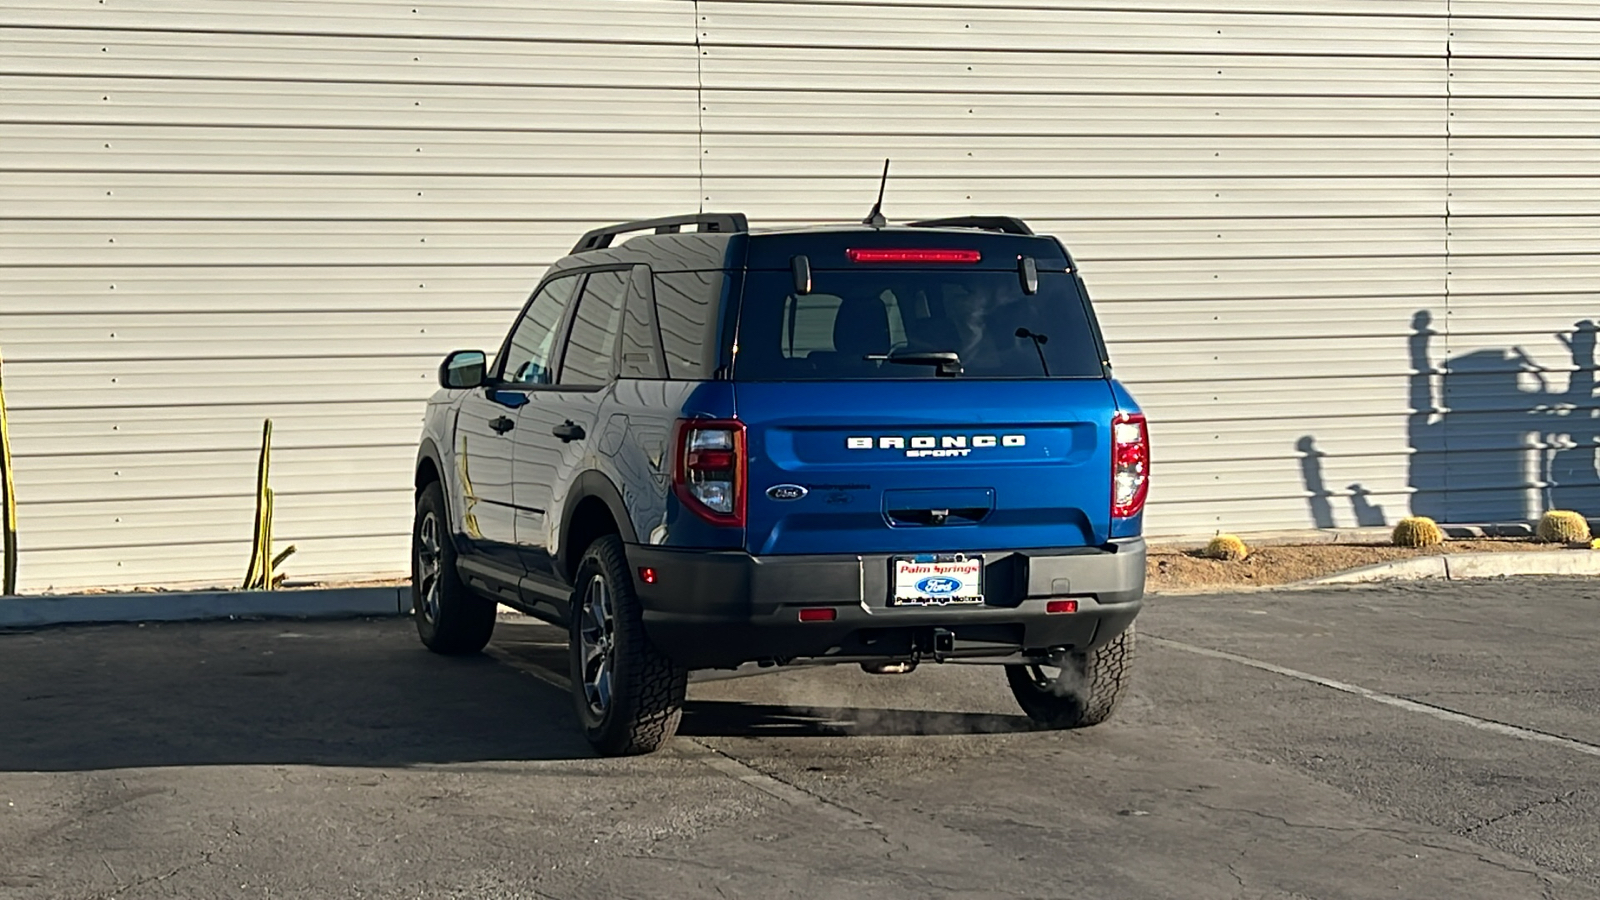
x=931 y=579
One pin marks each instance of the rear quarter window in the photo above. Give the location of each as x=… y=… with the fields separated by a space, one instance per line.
x=686 y=313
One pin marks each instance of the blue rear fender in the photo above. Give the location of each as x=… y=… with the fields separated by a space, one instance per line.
x=643 y=465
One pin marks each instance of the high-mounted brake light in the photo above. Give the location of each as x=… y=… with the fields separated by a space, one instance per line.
x=880 y=255
x=708 y=469
x=1130 y=464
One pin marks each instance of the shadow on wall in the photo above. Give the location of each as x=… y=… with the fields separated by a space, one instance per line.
x=1485 y=448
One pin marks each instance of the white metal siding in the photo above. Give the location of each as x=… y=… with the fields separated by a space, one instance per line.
x=215 y=212
x=1256 y=192
x=211 y=213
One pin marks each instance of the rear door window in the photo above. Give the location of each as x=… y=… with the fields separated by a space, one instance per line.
x=640 y=355
x=855 y=323
x=592 y=344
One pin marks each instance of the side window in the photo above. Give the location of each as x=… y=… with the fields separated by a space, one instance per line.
x=594 y=329
x=527 y=358
x=641 y=343
x=686 y=310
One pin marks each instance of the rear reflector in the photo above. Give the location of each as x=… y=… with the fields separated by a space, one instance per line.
x=818 y=614
x=1061 y=606
x=877 y=255
x=647 y=575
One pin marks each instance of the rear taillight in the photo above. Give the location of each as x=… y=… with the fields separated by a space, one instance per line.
x=709 y=471
x=1130 y=464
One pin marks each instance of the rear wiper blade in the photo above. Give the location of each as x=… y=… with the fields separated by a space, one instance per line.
x=947 y=361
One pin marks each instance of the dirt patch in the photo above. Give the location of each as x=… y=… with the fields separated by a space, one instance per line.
x=1171 y=570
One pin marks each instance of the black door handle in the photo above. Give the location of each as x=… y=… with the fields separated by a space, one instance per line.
x=567 y=431
x=502 y=425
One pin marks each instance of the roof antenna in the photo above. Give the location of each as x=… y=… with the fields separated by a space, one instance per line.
x=875 y=218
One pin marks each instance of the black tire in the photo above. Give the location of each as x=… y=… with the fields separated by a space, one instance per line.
x=638 y=708
x=451 y=619
x=1084 y=692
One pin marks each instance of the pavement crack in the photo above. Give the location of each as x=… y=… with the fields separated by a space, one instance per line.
x=787 y=791
x=1519 y=811
x=1336 y=829
x=1233 y=869
x=1411 y=836
x=204 y=860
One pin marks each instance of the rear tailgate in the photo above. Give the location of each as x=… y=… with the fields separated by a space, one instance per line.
x=927 y=466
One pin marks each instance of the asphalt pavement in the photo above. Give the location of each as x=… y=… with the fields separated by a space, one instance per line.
x=1423 y=741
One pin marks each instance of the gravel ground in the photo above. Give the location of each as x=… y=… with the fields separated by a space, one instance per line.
x=1294 y=744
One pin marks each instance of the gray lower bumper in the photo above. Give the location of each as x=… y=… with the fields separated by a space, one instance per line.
x=721 y=609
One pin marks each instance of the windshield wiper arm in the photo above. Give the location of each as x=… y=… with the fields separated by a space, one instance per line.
x=1039 y=340
x=947 y=361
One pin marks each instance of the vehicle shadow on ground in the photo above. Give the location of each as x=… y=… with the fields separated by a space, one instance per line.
x=722 y=718
x=545 y=647
x=357 y=693
x=354 y=693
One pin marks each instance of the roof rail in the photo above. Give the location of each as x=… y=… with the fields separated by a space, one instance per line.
x=720 y=223
x=1004 y=224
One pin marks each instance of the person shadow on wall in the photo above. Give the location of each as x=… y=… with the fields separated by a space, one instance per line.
x=1367 y=514
x=1471 y=426
x=1470 y=453
x=1570 y=470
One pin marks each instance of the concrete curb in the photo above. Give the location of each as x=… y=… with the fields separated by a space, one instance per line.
x=1366 y=535
x=1461 y=566
x=181 y=606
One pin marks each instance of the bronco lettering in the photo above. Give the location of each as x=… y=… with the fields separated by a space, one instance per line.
x=946 y=446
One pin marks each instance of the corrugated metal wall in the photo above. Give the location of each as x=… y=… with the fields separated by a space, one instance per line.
x=215 y=212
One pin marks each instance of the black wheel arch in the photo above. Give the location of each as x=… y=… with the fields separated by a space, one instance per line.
x=429 y=467
x=593 y=500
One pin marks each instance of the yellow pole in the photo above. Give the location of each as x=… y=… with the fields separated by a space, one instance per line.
x=259 y=574
x=8 y=486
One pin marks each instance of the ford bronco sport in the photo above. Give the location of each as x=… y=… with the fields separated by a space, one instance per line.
x=869 y=444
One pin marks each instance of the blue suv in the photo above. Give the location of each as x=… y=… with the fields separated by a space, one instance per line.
x=718 y=448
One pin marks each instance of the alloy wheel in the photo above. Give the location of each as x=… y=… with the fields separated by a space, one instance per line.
x=430 y=565
x=597 y=639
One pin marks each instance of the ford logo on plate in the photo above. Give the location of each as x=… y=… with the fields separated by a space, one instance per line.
x=938 y=586
x=786 y=492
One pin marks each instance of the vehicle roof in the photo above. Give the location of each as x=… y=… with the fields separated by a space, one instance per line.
x=824 y=245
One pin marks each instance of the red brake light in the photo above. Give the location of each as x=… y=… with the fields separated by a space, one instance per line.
x=708 y=470
x=1130 y=464
x=879 y=255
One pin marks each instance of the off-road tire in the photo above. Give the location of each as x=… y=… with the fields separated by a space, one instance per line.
x=462 y=621
x=1085 y=693
x=647 y=688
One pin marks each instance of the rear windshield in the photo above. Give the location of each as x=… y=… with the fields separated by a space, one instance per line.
x=854 y=323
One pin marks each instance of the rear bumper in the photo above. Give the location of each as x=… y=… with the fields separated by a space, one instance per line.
x=719 y=609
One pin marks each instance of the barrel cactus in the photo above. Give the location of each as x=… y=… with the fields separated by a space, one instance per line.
x=1563 y=526
x=1225 y=547
x=1417 y=531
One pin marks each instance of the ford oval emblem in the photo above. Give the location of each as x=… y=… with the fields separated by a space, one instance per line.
x=939 y=586
x=786 y=492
